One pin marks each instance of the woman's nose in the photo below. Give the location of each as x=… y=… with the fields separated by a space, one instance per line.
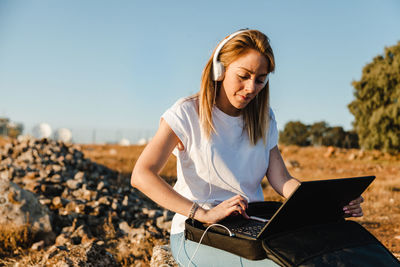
x=251 y=86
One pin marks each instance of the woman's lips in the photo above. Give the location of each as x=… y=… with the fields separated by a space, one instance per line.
x=244 y=97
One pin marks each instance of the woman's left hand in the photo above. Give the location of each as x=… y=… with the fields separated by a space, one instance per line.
x=353 y=209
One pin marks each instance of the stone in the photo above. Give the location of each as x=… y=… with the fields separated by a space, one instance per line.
x=45 y=201
x=78 y=194
x=71 y=207
x=155 y=213
x=56 y=179
x=162 y=256
x=330 y=152
x=38 y=245
x=132 y=232
x=57 y=168
x=72 y=184
x=162 y=224
x=100 y=185
x=62 y=240
x=292 y=163
x=4 y=175
x=57 y=203
x=103 y=200
x=352 y=156
x=79 y=176
x=22 y=207
x=168 y=215
x=30 y=175
x=145 y=210
x=88 y=194
x=125 y=201
x=82 y=235
x=68 y=158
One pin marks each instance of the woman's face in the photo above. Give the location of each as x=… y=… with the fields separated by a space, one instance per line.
x=244 y=79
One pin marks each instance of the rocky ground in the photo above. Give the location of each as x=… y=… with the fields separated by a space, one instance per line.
x=70 y=205
x=59 y=208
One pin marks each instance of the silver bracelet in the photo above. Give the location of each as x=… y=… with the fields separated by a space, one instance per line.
x=193 y=210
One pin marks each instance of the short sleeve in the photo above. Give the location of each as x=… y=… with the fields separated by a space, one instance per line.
x=273 y=131
x=178 y=119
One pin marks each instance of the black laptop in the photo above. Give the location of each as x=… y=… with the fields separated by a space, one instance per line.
x=313 y=202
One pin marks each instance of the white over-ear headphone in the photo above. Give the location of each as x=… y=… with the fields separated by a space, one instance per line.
x=218 y=67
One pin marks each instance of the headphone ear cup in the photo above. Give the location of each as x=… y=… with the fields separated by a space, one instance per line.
x=218 y=71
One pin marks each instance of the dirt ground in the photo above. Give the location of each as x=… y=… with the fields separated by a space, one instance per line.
x=382 y=199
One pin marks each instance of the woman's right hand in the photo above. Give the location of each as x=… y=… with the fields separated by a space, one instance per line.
x=236 y=204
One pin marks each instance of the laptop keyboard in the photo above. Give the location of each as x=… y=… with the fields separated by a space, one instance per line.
x=250 y=229
x=240 y=226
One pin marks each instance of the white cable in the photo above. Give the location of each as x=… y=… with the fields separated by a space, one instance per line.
x=201 y=205
x=179 y=250
x=202 y=236
x=208 y=159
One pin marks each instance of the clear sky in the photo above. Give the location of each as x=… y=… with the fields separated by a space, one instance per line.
x=111 y=68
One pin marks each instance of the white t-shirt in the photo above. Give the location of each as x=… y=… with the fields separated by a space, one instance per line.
x=209 y=172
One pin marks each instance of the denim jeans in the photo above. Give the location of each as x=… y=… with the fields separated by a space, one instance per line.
x=183 y=250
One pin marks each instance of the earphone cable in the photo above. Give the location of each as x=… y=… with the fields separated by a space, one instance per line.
x=202 y=236
x=201 y=205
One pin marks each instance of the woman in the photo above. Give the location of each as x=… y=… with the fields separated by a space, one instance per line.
x=226 y=142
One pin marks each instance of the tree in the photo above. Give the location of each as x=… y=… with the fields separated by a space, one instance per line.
x=376 y=107
x=317 y=133
x=351 y=140
x=295 y=133
x=334 y=136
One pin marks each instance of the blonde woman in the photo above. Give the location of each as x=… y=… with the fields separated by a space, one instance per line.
x=225 y=139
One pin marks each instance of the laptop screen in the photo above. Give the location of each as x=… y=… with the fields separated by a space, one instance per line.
x=315 y=202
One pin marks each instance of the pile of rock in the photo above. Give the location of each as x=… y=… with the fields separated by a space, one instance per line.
x=75 y=200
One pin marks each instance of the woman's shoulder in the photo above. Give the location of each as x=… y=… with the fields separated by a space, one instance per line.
x=187 y=104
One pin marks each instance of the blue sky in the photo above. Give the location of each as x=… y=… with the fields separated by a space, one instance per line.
x=115 y=66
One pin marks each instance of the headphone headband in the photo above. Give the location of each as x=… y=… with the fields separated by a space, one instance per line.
x=218 y=67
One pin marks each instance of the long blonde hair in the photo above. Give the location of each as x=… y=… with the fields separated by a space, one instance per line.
x=256 y=113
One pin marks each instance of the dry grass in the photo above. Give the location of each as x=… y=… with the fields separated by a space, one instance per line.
x=123 y=159
x=13 y=239
x=382 y=199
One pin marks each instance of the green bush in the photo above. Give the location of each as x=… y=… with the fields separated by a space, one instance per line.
x=376 y=107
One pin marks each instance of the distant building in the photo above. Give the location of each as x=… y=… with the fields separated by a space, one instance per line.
x=11 y=129
x=3 y=126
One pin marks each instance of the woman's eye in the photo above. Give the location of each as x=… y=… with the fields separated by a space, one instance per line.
x=242 y=77
x=259 y=82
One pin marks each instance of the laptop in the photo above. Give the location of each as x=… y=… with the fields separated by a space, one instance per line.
x=313 y=202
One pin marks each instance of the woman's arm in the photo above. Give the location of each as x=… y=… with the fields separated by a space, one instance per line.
x=145 y=175
x=280 y=179
x=278 y=176
x=146 y=178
